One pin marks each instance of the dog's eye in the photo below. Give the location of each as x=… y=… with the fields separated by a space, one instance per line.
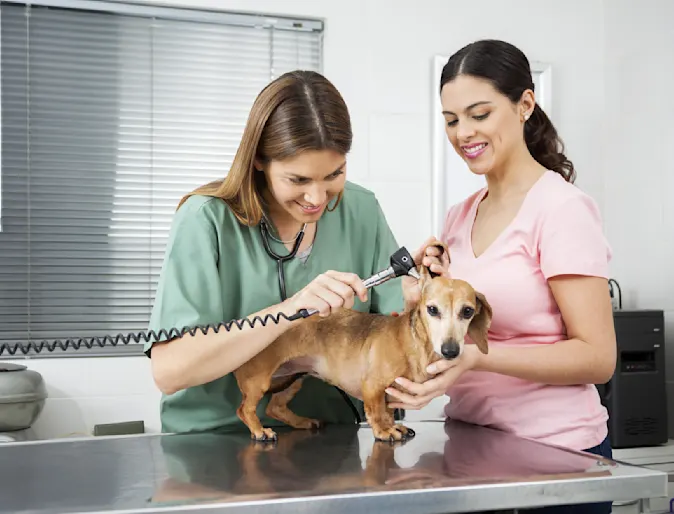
x=433 y=310
x=467 y=312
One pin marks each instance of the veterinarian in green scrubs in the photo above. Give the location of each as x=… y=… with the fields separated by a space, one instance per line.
x=288 y=176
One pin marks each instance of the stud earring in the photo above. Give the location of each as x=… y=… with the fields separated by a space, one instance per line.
x=526 y=116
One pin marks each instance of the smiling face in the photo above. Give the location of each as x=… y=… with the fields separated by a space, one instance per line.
x=484 y=126
x=450 y=310
x=301 y=187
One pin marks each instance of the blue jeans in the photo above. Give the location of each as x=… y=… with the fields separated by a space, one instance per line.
x=603 y=449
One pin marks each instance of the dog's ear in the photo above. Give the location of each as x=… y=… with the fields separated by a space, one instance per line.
x=440 y=246
x=425 y=275
x=478 y=329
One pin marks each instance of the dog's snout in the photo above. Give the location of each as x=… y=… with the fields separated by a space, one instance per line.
x=450 y=349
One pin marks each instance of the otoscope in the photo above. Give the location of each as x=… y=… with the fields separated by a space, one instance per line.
x=401 y=264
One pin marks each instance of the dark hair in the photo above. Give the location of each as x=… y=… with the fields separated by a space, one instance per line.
x=508 y=70
x=298 y=111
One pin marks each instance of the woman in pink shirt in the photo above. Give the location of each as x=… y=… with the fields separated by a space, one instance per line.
x=533 y=244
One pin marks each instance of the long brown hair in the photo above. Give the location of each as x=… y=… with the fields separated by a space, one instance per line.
x=507 y=68
x=300 y=110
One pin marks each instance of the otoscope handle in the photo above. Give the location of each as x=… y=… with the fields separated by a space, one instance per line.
x=303 y=313
x=402 y=264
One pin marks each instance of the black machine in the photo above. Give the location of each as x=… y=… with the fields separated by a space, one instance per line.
x=635 y=397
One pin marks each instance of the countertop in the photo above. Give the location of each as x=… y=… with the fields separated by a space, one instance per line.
x=448 y=467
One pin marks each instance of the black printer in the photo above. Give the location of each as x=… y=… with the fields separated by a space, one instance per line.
x=636 y=396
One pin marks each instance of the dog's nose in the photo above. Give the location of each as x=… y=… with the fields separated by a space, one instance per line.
x=450 y=350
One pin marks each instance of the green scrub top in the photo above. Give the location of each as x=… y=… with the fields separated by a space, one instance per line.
x=216 y=269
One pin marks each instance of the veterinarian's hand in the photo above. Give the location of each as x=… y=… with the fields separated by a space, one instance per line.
x=446 y=373
x=433 y=258
x=329 y=292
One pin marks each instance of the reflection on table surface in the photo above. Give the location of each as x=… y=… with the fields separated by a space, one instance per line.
x=146 y=471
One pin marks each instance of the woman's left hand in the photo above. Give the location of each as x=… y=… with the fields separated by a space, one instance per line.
x=433 y=258
x=446 y=373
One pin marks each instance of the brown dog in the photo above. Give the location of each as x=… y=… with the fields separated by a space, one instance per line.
x=363 y=353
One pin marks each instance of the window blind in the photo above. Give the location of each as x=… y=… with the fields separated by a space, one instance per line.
x=108 y=118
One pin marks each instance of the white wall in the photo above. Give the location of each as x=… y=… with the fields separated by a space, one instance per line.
x=379 y=54
x=639 y=171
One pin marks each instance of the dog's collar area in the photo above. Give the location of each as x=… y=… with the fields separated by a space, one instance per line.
x=413 y=325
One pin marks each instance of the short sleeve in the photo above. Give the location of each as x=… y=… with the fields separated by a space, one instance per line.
x=387 y=297
x=188 y=290
x=572 y=240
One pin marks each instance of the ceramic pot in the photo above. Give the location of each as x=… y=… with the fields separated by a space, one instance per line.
x=22 y=396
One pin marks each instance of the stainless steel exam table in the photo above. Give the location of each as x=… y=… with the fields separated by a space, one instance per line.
x=448 y=467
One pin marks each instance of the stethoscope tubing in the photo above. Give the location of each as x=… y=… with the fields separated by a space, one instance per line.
x=280 y=259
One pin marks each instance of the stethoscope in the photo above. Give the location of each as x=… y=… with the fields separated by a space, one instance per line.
x=281 y=259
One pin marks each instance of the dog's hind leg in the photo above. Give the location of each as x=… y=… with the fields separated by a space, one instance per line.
x=278 y=408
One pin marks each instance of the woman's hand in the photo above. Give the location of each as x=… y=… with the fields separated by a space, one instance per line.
x=446 y=373
x=433 y=258
x=329 y=292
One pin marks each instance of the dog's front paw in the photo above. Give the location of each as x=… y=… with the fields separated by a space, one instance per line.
x=407 y=433
x=265 y=434
x=394 y=433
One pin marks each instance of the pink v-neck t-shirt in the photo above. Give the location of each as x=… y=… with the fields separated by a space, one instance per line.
x=558 y=230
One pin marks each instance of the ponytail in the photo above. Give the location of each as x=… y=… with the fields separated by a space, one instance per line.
x=546 y=146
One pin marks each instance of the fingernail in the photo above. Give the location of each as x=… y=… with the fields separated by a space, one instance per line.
x=399 y=380
x=430 y=369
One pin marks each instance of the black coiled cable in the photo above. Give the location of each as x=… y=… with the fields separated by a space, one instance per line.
x=145 y=337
